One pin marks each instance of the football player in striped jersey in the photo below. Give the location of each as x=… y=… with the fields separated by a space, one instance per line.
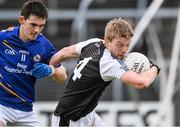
x=100 y=61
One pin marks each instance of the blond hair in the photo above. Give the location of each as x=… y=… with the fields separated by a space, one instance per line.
x=118 y=28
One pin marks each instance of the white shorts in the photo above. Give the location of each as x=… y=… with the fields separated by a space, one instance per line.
x=20 y=118
x=91 y=119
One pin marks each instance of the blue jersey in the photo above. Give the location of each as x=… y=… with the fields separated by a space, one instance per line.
x=17 y=59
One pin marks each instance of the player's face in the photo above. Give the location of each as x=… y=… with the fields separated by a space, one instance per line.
x=118 y=47
x=31 y=27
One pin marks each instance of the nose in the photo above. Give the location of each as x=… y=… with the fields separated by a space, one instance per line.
x=124 y=49
x=37 y=29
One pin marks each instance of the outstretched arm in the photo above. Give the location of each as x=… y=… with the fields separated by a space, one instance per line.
x=63 y=54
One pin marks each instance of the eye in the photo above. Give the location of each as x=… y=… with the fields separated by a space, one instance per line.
x=33 y=25
x=119 y=45
x=41 y=26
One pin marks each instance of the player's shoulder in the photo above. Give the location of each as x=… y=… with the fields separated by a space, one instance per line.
x=8 y=30
x=89 y=41
x=84 y=44
x=93 y=40
x=2 y=32
x=5 y=33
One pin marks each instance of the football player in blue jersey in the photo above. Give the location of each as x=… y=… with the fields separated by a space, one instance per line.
x=99 y=62
x=24 y=56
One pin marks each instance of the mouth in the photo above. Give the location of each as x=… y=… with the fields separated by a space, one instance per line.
x=122 y=56
x=33 y=34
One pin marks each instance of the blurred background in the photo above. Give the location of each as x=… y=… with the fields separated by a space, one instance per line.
x=157 y=29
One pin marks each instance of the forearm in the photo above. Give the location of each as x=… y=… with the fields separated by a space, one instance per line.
x=58 y=58
x=139 y=81
x=63 y=54
x=150 y=75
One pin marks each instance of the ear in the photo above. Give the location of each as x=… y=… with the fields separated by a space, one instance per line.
x=21 y=19
x=106 y=40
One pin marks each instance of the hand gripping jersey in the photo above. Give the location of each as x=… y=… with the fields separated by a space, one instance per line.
x=17 y=59
x=95 y=70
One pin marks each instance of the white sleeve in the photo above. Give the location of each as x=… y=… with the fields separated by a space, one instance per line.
x=111 y=68
x=82 y=44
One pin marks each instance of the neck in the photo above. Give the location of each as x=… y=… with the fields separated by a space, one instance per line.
x=21 y=34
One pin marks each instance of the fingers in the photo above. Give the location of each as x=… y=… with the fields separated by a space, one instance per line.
x=41 y=70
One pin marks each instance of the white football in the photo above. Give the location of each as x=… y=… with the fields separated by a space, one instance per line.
x=137 y=62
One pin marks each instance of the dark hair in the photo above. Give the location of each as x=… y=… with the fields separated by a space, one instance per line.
x=34 y=7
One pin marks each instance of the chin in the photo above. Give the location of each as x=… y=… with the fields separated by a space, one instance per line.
x=33 y=38
x=121 y=57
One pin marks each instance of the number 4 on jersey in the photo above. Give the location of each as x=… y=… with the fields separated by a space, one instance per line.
x=79 y=67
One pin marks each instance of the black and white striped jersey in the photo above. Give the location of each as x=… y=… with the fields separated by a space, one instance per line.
x=95 y=69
